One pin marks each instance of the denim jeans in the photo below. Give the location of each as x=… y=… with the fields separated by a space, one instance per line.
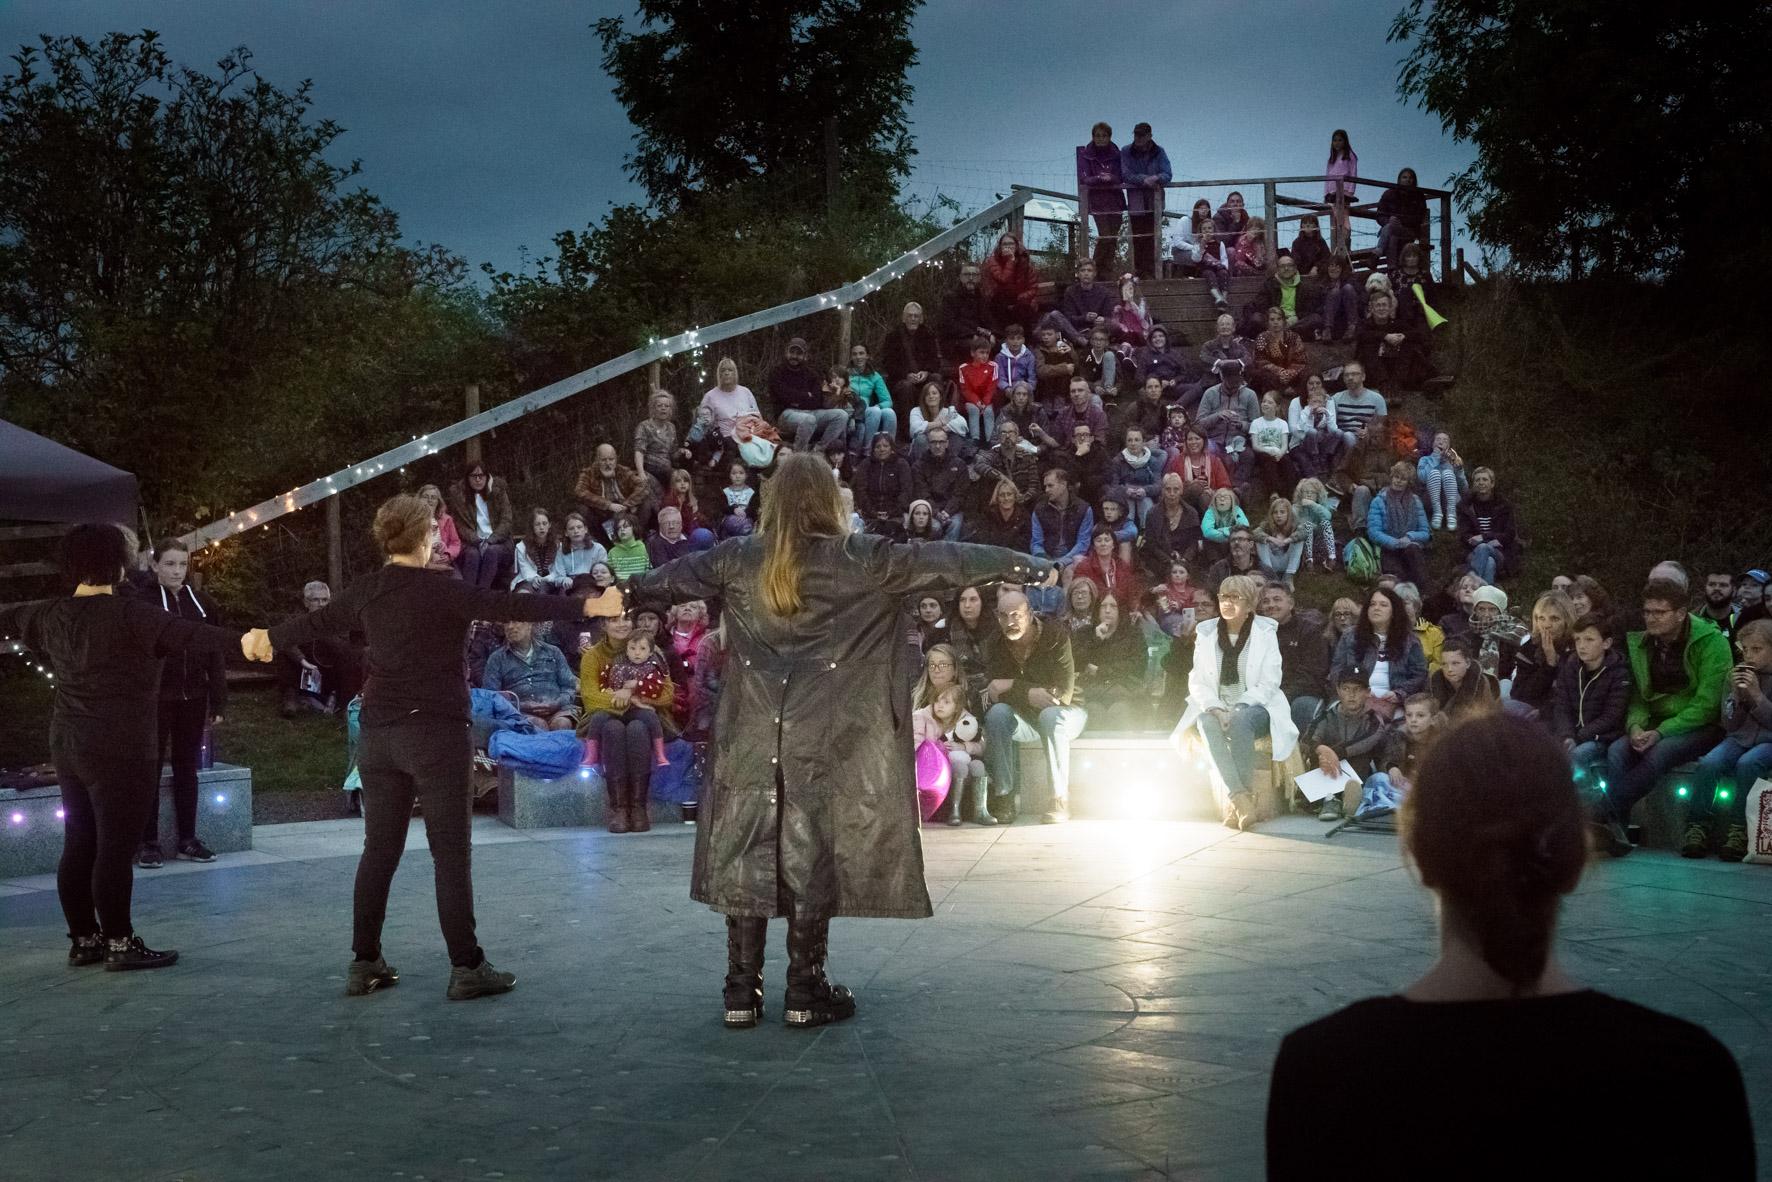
x=1232 y=744
x=981 y=421
x=952 y=532
x=1736 y=765
x=1485 y=561
x=1341 y=312
x=1630 y=775
x=875 y=420
x=823 y=427
x=1589 y=761
x=1304 y=711
x=1055 y=728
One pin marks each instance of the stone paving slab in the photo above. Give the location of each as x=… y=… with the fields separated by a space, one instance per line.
x=1094 y=1001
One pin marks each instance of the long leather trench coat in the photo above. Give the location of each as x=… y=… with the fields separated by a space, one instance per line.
x=812 y=808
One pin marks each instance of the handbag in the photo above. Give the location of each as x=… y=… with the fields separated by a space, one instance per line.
x=1759 y=822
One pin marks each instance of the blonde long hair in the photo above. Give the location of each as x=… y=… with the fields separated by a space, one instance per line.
x=802 y=503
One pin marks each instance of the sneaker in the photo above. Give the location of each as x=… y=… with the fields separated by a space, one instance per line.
x=148 y=857
x=87 y=950
x=122 y=956
x=195 y=851
x=1734 y=844
x=1612 y=840
x=1331 y=810
x=366 y=976
x=353 y=802
x=1438 y=522
x=1696 y=843
x=480 y=981
x=1058 y=814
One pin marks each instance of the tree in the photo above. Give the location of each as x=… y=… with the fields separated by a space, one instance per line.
x=725 y=91
x=1610 y=139
x=189 y=288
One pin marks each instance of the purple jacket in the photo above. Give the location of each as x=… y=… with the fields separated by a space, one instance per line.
x=1105 y=196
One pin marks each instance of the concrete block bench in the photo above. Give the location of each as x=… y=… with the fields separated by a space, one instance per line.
x=31 y=819
x=575 y=800
x=1125 y=775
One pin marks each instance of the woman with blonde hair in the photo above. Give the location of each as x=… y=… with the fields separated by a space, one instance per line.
x=445 y=539
x=1543 y=654
x=811 y=810
x=415 y=740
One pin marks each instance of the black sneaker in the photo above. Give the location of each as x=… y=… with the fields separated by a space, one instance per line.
x=195 y=851
x=481 y=981
x=353 y=803
x=85 y=950
x=1696 y=843
x=148 y=857
x=366 y=976
x=121 y=956
x=1734 y=844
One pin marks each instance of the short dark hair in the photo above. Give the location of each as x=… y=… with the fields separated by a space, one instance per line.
x=95 y=554
x=1665 y=591
x=1353 y=675
x=1462 y=646
x=1240 y=529
x=1599 y=623
x=1141 y=129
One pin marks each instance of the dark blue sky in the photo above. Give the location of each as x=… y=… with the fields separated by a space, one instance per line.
x=490 y=126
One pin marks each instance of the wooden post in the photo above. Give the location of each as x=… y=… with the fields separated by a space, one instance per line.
x=335 y=543
x=1270 y=197
x=1445 y=235
x=1458 y=274
x=471 y=405
x=1080 y=240
x=1017 y=225
x=1157 y=202
x=654 y=370
x=832 y=169
x=845 y=315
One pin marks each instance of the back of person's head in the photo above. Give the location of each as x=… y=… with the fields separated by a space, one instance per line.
x=96 y=555
x=402 y=525
x=1500 y=851
x=803 y=503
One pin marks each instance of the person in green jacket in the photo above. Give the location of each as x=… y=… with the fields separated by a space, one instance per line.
x=867 y=385
x=1679 y=668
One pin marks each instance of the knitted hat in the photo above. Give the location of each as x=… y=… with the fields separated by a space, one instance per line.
x=1491 y=595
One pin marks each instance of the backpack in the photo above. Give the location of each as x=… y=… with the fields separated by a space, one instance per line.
x=1360 y=560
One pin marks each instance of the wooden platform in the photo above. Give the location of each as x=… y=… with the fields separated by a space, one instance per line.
x=1185 y=305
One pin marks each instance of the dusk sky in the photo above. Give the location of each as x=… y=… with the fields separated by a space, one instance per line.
x=490 y=127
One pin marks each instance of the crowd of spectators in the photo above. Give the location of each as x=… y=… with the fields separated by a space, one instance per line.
x=1182 y=489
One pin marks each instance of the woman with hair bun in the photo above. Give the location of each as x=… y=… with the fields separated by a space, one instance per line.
x=416 y=740
x=1496 y=1063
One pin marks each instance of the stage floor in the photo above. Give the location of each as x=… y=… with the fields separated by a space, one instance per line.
x=1097 y=1000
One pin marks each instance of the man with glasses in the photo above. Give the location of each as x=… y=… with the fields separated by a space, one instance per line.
x=1029 y=693
x=963 y=318
x=1679 y=665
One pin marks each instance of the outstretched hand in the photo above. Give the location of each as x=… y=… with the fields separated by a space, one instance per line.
x=1051 y=579
x=607 y=604
x=256 y=645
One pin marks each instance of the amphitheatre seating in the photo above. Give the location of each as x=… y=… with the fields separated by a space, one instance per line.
x=529 y=802
x=31 y=831
x=1141 y=776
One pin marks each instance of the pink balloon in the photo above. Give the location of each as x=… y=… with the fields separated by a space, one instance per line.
x=934 y=775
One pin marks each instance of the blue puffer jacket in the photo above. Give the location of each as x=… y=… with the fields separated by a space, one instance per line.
x=1394 y=516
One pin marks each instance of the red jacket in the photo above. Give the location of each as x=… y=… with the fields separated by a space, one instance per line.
x=978 y=384
x=1117 y=577
x=1217 y=477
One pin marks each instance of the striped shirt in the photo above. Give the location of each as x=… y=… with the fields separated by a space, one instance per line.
x=1351 y=413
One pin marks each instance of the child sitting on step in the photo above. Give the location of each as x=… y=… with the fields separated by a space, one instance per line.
x=1310 y=505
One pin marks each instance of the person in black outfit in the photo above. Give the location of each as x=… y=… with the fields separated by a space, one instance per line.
x=193 y=695
x=1496 y=1063
x=416 y=737
x=106 y=652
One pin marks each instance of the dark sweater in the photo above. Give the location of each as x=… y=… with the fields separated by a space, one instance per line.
x=1498 y=1089
x=1048 y=666
x=1355 y=738
x=417 y=624
x=795 y=387
x=106 y=652
x=986 y=527
x=1304 y=657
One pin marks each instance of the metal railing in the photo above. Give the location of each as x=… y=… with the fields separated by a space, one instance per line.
x=837 y=300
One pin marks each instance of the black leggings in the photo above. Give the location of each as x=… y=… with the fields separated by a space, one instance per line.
x=104 y=798
x=432 y=762
x=626 y=750
x=181 y=736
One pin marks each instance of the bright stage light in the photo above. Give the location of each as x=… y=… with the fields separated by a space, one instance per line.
x=18 y=818
x=220 y=798
x=61 y=814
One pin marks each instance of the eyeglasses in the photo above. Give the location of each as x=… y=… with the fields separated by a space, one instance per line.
x=1659 y=612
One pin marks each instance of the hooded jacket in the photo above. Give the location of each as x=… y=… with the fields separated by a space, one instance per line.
x=1591 y=707
x=1696 y=704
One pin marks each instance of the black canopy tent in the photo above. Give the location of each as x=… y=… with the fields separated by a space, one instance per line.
x=40 y=480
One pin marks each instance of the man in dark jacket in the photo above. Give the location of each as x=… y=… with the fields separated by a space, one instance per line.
x=1171 y=531
x=324 y=675
x=1240 y=561
x=1085 y=305
x=940 y=478
x=1060 y=528
x=910 y=356
x=1029 y=693
x=1008 y=461
x=963 y=317
x=1591 y=695
x=1304 y=654
x=1298 y=296
x=1393 y=349
x=799 y=400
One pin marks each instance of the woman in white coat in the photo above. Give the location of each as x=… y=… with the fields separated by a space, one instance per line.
x=1234 y=693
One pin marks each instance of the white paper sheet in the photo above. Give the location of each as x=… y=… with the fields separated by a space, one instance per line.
x=1315 y=785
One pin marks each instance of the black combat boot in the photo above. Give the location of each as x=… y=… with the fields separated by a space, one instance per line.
x=745 y=937
x=811 y=998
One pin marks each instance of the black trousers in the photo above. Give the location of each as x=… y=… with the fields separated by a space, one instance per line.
x=105 y=795
x=627 y=753
x=431 y=762
x=181 y=736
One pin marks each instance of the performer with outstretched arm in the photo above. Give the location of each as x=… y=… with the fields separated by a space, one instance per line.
x=106 y=651
x=416 y=737
x=812 y=808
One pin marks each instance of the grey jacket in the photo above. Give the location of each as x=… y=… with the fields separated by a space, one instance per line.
x=810 y=807
x=1749 y=726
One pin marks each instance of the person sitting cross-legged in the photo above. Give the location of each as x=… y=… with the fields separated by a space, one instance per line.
x=537 y=675
x=1348 y=732
x=1234 y=694
x=1029 y=692
x=1679 y=672
x=1743 y=757
x=1396 y=522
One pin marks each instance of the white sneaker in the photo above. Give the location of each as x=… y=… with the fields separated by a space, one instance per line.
x=1439 y=521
